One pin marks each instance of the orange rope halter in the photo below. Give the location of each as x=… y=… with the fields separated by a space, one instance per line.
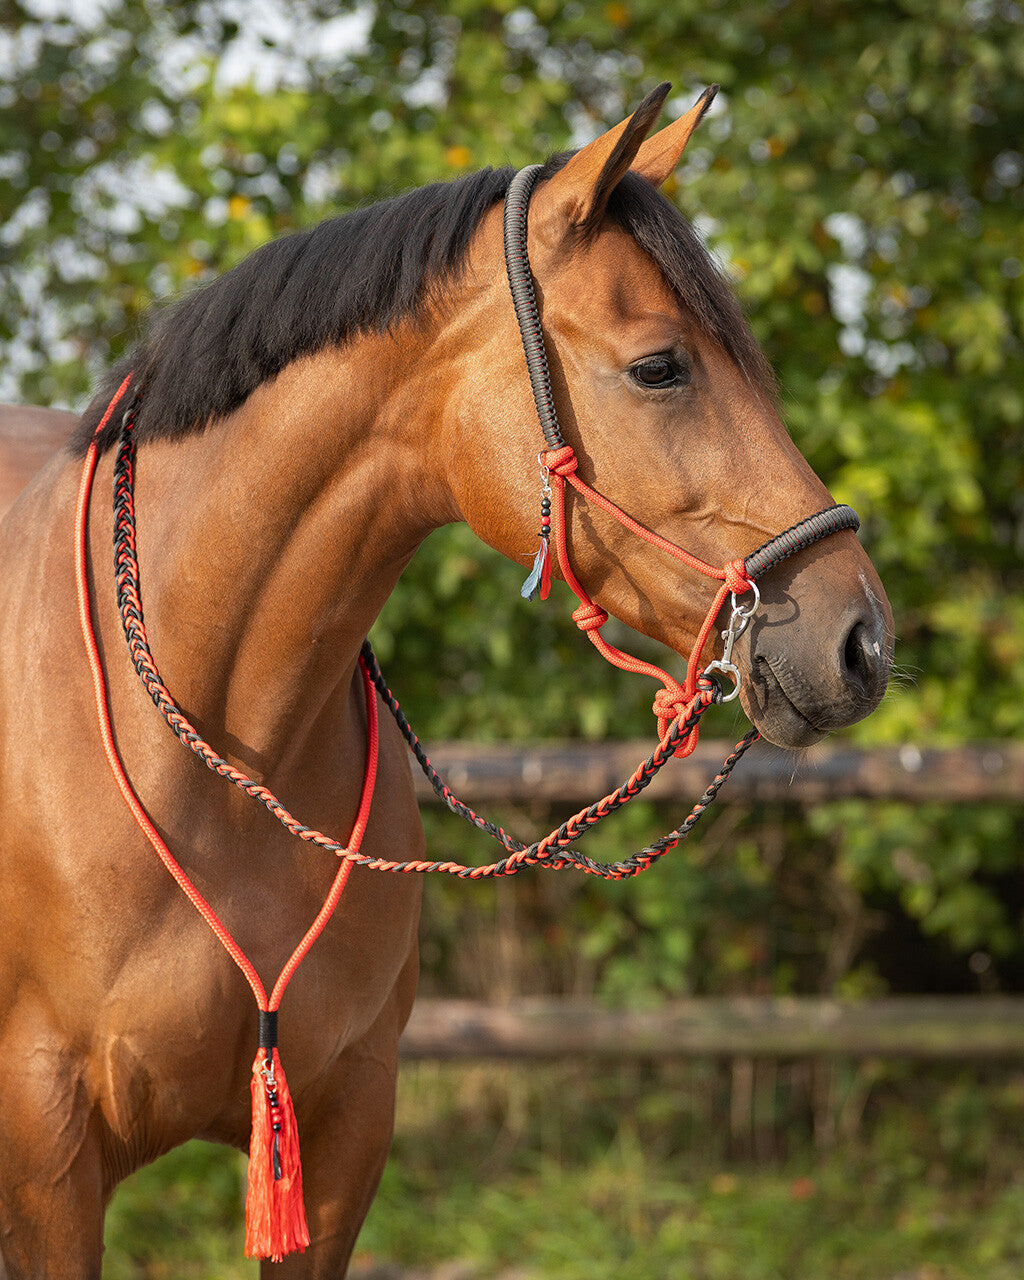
x=672 y=699
x=673 y=702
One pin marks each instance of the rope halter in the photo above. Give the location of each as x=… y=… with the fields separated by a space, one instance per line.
x=558 y=463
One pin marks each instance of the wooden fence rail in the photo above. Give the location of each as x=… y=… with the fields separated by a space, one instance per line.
x=579 y=772
x=961 y=1027
x=968 y=1027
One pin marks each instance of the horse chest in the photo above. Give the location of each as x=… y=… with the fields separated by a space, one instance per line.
x=174 y=1039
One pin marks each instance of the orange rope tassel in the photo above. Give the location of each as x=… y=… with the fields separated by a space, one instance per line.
x=275 y=1217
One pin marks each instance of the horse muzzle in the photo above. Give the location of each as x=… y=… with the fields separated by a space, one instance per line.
x=813 y=662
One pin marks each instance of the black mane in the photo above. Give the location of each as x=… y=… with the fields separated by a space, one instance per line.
x=205 y=354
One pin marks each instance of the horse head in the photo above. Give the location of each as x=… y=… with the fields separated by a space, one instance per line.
x=669 y=407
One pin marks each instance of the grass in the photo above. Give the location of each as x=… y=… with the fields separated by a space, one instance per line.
x=180 y=1218
x=531 y=1176
x=619 y=1219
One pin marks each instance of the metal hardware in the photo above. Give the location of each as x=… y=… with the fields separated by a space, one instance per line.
x=545 y=477
x=738 y=620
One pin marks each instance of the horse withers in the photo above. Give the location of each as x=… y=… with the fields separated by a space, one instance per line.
x=29 y=438
x=302 y=424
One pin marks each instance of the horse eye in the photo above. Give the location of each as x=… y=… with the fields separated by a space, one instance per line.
x=659 y=371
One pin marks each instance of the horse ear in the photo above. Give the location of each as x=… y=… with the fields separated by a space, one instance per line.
x=657 y=159
x=578 y=193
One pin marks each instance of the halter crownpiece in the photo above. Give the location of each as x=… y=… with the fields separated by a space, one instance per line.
x=558 y=465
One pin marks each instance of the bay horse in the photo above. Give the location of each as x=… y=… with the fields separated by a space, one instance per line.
x=303 y=423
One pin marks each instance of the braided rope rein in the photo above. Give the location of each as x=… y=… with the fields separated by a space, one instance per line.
x=553 y=851
x=679 y=709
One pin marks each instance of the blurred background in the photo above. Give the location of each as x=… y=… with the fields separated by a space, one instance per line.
x=861 y=180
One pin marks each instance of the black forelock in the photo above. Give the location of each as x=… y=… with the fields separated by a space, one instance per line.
x=204 y=355
x=662 y=232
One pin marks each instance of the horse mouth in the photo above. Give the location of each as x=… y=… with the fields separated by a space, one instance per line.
x=776 y=700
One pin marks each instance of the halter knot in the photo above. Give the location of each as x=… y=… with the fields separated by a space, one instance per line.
x=736 y=577
x=561 y=462
x=669 y=704
x=589 y=616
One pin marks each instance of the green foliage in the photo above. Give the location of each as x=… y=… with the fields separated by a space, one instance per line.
x=580 y=1169
x=187 y=1210
x=860 y=177
x=597 y=1170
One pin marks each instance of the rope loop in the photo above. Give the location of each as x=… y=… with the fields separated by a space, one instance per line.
x=709 y=689
x=670 y=702
x=736 y=577
x=589 y=616
x=560 y=462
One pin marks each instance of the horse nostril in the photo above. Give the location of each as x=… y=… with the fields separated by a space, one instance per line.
x=862 y=658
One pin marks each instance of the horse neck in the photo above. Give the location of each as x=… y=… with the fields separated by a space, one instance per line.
x=269 y=543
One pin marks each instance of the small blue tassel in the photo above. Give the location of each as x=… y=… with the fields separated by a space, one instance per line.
x=531 y=587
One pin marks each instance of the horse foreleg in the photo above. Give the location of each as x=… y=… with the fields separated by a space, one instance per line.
x=344 y=1150
x=345 y=1134
x=51 y=1172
